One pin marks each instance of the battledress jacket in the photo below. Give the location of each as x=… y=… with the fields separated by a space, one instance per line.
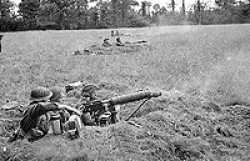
x=33 y=113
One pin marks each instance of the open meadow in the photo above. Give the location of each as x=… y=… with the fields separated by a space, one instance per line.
x=203 y=71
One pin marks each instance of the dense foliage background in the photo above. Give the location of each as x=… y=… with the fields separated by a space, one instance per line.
x=79 y=14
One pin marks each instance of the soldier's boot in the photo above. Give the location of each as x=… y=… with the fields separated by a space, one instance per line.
x=106 y=43
x=119 y=42
x=16 y=136
x=35 y=134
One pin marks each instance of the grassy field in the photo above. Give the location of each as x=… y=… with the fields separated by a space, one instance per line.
x=208 y=65
x=208 y=58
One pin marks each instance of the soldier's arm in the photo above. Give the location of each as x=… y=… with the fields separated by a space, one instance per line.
x=69 y=108
x=45 y=107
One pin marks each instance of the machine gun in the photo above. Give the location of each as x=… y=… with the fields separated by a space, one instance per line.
x=99 y=107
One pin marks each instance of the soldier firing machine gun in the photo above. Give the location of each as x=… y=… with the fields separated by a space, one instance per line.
x=109 y=104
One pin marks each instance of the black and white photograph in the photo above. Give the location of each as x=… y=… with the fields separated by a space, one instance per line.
x=124 y=80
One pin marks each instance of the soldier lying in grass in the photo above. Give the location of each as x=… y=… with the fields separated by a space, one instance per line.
x=88 y=94
x=92 y=117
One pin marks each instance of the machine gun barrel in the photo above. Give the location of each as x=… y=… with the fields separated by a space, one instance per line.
x=133 y=97
x=119 y=100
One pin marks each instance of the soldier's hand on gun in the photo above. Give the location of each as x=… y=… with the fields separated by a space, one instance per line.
x=66 y=107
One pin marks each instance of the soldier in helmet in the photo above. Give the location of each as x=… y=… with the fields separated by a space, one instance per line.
x=35 y=122
x=69 y=117
x=108 y=114
x=88 y=94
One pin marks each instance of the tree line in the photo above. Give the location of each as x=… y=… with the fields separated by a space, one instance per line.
x=80 y=14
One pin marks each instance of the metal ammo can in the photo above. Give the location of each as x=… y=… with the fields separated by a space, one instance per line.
x=56 y=124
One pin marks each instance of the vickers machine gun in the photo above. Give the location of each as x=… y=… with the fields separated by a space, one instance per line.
x=104 y=112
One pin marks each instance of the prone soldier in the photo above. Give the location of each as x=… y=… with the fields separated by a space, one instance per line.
x=88 y=94
x=102 y=114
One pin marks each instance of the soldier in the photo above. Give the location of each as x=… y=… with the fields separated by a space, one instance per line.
x=117 y=33
x=109 y=114
x=112 y=33
x=106 y=43
x=69 y=118
x=119 y=42
x=88 y=94
x=35 y=123
x=58 y=118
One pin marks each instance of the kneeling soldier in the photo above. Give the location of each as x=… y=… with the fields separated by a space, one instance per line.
x=35 y=123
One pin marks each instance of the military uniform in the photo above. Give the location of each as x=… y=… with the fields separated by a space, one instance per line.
x=108 y=114
x=87 y=95
x=35 y=122
x=86 y=117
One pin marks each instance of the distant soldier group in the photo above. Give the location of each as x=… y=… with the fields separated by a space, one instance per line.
x=116 y=34
x=118 y=42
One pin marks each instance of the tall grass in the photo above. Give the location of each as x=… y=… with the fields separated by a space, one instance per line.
x=183 y=57
x=229 y=81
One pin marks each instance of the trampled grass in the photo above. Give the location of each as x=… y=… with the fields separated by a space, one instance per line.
x=209 y=65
